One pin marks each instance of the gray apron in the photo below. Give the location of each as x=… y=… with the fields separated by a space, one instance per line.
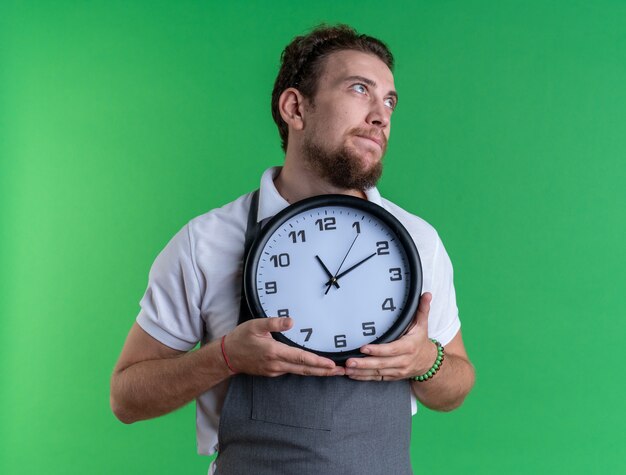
x=305 y=425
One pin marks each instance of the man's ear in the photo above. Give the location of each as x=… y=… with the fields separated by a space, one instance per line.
x=291 y=108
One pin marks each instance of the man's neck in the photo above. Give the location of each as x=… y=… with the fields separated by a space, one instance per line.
x=297 y=182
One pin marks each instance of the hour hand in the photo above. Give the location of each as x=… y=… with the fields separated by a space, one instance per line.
x=328 y=273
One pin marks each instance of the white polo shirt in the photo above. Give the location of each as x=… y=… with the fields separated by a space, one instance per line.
x=194 y=287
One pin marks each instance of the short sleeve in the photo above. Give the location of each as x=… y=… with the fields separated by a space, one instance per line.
x=170 y=307
x=443 y=319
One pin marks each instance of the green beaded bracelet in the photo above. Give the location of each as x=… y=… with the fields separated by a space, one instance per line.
x=438 y=362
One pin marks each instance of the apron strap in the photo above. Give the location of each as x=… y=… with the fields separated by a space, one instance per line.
x=252 y=230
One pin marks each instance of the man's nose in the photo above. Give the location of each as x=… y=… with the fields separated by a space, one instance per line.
x=378 y=115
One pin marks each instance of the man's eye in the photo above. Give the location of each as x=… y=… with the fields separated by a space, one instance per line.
x=360 y=88
x=390 y=103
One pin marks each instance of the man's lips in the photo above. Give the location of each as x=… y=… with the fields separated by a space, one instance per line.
x=376 y=140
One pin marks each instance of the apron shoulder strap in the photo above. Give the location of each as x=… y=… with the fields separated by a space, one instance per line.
x=252 y=230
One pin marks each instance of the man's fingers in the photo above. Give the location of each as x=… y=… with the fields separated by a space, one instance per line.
x=313 y=370
x=387 y=374
x=275 y=358
x=375 y=364
x=305 y=363
x=395 y=348
x=298 y=357
x=373 y=368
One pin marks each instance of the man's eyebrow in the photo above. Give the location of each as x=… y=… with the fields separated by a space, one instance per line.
x=370 y=83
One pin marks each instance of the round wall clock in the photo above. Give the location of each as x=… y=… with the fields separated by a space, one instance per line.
x=344 y=269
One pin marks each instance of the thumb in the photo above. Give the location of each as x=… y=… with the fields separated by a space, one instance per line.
x=274 y=324
x=421 y=316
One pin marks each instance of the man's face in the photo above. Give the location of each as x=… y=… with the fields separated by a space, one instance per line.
x=347 y=127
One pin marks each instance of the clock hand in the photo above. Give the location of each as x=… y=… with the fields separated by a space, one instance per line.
x=330 y=282
x=351 y=268
x=330 y=276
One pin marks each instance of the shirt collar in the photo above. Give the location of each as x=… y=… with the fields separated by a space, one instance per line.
x=271 y=202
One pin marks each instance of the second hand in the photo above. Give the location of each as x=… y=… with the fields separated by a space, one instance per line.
x=334 y=279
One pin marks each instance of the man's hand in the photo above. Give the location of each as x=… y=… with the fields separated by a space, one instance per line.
x=252 y=350
x=410 y=355
x=414 y=354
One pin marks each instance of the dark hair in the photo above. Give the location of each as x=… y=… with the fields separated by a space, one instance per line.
x=302 y=62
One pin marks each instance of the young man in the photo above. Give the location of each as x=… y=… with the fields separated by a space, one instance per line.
x=287 y=410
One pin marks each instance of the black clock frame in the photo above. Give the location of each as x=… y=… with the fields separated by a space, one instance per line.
x=414 y=263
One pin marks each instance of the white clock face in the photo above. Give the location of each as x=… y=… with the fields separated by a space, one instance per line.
x=341 y=273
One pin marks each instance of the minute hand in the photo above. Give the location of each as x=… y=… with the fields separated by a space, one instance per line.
x=352 y=268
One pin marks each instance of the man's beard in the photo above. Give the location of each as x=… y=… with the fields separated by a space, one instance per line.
x=342 y=167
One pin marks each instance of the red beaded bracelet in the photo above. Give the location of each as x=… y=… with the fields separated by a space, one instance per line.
x=226 y=357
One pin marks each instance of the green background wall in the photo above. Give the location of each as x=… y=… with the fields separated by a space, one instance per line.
x=120 y=121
